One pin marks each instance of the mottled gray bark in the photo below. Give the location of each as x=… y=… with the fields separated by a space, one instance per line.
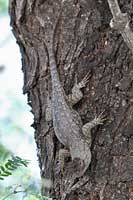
x=84 y=43
x=121 y=22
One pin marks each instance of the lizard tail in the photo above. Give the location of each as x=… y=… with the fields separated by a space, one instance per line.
x=52 y=59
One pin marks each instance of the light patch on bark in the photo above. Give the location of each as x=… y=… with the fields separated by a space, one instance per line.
x=120 y=22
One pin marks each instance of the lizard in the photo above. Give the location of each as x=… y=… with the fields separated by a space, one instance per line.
x=67 y=122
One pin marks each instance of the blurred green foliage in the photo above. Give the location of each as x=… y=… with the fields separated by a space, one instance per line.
x=22 y=176
x=3 y=6
x=4 y=153
x=11 y=165
x=13 y=117
x=12 y=125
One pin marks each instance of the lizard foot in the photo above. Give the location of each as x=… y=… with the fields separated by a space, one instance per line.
x=100 y=119
x=84 y=81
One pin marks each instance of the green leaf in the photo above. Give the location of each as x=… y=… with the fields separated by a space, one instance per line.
x=6 y=174
x=17 y=158
x=3 y=169
x=11 y=168
x=11 y=165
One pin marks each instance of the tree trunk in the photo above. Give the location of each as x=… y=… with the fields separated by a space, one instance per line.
x=84 y=43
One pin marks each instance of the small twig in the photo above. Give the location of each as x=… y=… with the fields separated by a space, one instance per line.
x=13 y=192
x=120 y=22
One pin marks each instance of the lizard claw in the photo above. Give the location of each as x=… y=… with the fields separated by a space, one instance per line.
x=85 y=80
x=100 y=119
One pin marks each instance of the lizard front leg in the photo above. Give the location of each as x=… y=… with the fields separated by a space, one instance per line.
x=73 y=98
x=77 y=94
x=86 y=129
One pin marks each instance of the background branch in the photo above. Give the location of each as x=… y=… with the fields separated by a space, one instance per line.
x=120 y=22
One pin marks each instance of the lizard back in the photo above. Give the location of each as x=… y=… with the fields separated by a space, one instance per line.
x=64 y=118
x=66 y=121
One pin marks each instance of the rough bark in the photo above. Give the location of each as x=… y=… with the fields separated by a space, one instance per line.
x=84 y=43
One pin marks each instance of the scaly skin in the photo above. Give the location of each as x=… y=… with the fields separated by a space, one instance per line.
x=65 y=120
x=67 y=123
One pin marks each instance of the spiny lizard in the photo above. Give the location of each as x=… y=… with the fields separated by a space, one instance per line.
x=67 y=122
